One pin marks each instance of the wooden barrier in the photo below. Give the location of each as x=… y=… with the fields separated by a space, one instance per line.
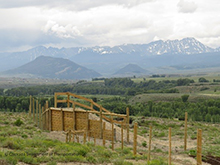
x=135 y=139
x=169 y=158
x=149 y=146
x=199 y=147
x=185 y=132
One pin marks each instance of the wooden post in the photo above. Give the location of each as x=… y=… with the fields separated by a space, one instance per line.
x=43 y=119
x=69 y=135
x=30 y=105
x=135 y=139
x=40 y=116
x=74 y=117
x=68 y=100
x=47 y=105
x=73 y=138
x=169 y=159
x=101 y=131
x=103 y=134
x=50 y=119
x=62 y=122
x=87 y=123
x=77 y=138
x=199 y=147
x=94 y=140
x=36 y=119
x=55 y=100
x=127 y=120
x=84 y=137
x=122 y=140
x=91 y=104
x=33 y=110
x=112 y=133
x=149 y=146
x=185 y=135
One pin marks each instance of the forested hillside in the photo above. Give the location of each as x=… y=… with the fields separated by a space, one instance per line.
x=116 y=94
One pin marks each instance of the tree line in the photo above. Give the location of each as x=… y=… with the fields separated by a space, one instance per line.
x=111 y=86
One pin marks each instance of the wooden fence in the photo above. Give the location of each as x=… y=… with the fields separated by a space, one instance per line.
x=76 y=116
x=75 y=119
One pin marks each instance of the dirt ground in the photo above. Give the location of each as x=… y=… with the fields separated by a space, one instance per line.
x=178 y=156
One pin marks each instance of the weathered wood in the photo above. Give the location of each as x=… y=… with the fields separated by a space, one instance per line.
x=135 y=139
x=127 y=120
x=199 y=147
x=62 y=121
x=50 y=120
x=30 y=106
x=122 y=140
x=68 y=100
x=36 y=119
x=112 y=133
x=101 y=131
x=55 y=100
x=94 y=140
x=169 y=158
x=74 y=117
x=103 y=140
x=40 y=117
x=33 y=110
x=149 y=147
x=69 y=136
x=185 y=134
x=43 y=119
x=84 y=137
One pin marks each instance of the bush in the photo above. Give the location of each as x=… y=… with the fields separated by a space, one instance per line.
x=18 y=122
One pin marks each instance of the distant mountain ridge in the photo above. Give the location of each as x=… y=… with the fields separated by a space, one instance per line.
x=50 y=67
x=131 y=69
x=108 y=60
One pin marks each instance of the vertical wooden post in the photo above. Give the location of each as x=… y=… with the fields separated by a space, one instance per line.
x=101 y=131
x=91 y=104
x=70 y=135
x=84 y=137
x=87 y=123
x=122 y=140
x=169 y=159
x=36 y=119
x=73 y=138
x=94 y=140
x=30 y=105
x=185 y=135
x=47 y=105
x=199 y=147
x=50 y=119
x=67 y=136
x=127 y=120
x=68 y=100
x=149 y=147
x=135 y=139
x=62 y=122
x=40 y=116
x=112 y=133
x=43 y=119
x=55 y=100
x=103 y=140
x=77 y=138
x=33 y=110
x=74 y=117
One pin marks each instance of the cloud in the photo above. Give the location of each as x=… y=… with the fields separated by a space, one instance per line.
x=76 y=5
x=186 y=6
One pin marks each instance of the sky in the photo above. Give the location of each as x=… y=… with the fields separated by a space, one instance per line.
x=71 y=23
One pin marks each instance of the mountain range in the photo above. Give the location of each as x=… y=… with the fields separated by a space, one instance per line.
x=187 y=53
x=51 y=67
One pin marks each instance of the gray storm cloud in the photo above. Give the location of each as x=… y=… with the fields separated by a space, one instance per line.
x=186 y=6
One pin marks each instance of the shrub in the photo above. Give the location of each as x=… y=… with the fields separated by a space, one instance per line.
x=144 y=144
x=18 y=122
